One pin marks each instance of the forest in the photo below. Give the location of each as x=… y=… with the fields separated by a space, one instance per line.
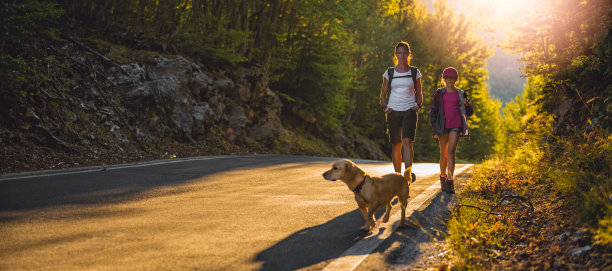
x=328 y=57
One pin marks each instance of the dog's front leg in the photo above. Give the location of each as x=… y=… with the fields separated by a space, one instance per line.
x=364 y=208
x=364 y=213
x=371 y=211
x=403 y=199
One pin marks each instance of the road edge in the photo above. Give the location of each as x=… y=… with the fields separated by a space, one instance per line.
x=355 y=255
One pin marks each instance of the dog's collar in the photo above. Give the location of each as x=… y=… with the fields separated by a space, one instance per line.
x=358 y=188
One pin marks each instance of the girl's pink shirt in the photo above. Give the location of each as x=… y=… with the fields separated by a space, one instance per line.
x=452 y=114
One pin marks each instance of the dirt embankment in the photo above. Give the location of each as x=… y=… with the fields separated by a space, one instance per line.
x=98 y=106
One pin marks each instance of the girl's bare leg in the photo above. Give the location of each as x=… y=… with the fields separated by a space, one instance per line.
x=443 y=142
x=453 y=140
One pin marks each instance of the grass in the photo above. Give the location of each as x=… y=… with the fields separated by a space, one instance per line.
x=569 y=184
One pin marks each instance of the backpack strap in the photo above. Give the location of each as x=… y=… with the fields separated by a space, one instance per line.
x=413 y=74
x=390 y=72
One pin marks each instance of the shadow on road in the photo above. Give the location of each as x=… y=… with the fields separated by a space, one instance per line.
x=122 y=184
x=315 y=244
x=322 y=243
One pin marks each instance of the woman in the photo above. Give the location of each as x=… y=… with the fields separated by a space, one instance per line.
x=401 y=99
x=448 y=117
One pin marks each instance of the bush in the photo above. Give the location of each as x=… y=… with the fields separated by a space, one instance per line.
x=22 y=22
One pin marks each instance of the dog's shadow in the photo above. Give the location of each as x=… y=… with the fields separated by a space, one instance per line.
x=317 y=245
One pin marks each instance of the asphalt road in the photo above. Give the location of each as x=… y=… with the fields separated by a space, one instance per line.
x=261 y=212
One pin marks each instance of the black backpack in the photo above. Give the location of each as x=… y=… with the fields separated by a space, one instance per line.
x=413 y=74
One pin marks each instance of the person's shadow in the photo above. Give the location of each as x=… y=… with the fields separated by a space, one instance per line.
x=319 y=244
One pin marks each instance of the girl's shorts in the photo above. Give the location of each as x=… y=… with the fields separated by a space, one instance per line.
x=401 y=124
x=448 y=130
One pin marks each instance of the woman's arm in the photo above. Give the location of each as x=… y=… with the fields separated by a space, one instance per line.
x=419 y=93
x=384 y=93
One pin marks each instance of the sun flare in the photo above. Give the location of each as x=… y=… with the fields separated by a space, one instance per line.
x=495 y=18
x=496 y=13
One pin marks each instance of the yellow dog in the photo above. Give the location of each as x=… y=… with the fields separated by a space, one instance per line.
x=371 y=193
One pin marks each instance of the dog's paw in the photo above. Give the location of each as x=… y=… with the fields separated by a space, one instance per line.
x=408 y=224
x=365 y=228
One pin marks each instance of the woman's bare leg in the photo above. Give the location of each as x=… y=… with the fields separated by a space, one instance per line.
x=408 y=156
x=408 y=152
x=396 y=156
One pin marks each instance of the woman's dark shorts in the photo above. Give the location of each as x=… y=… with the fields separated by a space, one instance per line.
x=401 y=124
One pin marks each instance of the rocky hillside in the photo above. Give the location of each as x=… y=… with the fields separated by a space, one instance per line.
x=98 y=103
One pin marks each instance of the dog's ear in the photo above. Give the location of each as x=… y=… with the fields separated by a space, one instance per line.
x=348 y=165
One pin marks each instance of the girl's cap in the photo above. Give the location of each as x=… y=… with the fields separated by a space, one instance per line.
x=450 y=72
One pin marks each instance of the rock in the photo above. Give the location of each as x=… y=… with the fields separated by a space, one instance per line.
x=200 y=81
x=304 y=114
x=164 y=68
x=116 y=130
x=244 y=93
x=202 y=112
x=223 y=84
x=577 y=239
x=562 y=111
x=562 y=237
x=127 y=74
x=160 y=90
x=236 y=117
x=182 y=117
x=269 y=129
x=579 y=250
x=368 y=148
x=341 y=136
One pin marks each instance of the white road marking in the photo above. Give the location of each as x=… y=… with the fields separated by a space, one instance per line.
x=47 y=173
x=352 y=257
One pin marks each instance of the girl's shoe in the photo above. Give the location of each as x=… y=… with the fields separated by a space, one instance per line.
x=450 y=186
x=443 y=183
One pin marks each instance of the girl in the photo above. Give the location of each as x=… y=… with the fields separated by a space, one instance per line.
x=448 y=117
x=401 y=99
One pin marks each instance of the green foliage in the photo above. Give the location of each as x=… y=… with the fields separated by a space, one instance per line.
x=328 y=56
x=25 y=20
x=474 y=234
x=451 y=42
x=567 y=42
x=558 y=130
x=583 y=170
x=522 y=120
x=13 y=78
x=22 y=23
x=219 y=44
x=312 y=67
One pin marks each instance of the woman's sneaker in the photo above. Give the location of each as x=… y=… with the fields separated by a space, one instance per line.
x=450 y=186
x=443 y=183
x=413 y=177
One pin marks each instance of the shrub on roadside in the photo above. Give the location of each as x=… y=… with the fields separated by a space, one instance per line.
x=575 y=179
